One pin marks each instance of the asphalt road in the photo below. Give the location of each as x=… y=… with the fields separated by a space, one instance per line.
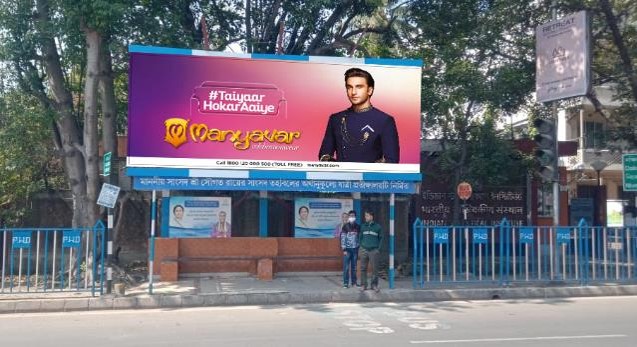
x=602 y=321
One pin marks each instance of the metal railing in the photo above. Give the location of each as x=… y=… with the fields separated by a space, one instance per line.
x=52 y=259
x=503 y=254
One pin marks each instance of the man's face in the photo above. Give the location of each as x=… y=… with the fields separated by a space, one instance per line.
x=358 y=91
x=368 y=217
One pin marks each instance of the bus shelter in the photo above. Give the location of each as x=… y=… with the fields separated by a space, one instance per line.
x=203 y=123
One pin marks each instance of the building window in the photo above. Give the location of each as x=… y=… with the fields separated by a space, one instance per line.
x=545 y=200
x=594 y=136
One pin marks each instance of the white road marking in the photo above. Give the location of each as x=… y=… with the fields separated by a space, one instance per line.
x=510 y=339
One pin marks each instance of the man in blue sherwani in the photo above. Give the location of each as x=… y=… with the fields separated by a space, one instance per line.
x=361 y=133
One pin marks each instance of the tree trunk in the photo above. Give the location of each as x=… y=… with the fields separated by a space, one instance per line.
x=91 y=157
x=248 y=26
x=66 y=131
x=109 y=111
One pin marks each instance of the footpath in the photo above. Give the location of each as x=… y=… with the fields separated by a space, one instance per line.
x=237 y=290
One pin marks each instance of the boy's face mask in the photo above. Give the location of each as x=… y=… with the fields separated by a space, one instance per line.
x=351 y=219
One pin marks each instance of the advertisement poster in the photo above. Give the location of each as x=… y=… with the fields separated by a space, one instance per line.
x=319 y=217
x=200 y=217
x=563 y=58
x=202 y=111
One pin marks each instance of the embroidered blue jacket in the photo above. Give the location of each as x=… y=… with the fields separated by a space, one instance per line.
x=363 y=137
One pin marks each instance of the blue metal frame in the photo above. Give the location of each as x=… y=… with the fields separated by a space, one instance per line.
x=578 y=254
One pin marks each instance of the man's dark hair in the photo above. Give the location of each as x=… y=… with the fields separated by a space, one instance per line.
x=351 y=212
x=356 y=72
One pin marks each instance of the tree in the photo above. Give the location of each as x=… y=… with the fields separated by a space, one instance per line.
x=479 y=65
x=54 y=49
x=312 y=27
x=27 y=163
x=614 y=42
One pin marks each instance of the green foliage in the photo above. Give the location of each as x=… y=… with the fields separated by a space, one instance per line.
x=28 y=163
x=479 y=59
x=608 y=65
x=494 y=160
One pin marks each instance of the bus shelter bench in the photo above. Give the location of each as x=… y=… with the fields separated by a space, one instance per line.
x=262 y=264
x=308 y=257
x=307 y=262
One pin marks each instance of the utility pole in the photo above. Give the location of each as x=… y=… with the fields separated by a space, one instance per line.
x=109 y=227
x=556 y=167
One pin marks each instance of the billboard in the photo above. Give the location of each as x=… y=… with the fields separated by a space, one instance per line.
x=211 y=110
x=316 y=217
x=200 y=217
x=563 y=58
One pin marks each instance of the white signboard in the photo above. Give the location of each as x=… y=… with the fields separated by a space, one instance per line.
x=614 y=213
x=108 y=195
x=563 y=58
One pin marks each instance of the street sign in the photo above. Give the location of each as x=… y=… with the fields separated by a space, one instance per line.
x=441 y=236
x=21 y=239
x=563 y=235
x=107 y=163
x=630 y=172
x=108 y=195
x=526 y=235
x=71 y=239
x=480 y=236
x=464 y=191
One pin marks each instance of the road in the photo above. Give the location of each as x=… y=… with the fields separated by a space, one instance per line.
x=602 y=321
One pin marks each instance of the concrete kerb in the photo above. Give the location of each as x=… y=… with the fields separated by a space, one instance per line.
x=125 y=303
x=103 y=303
x=75 y=305
x=215 y=300
x=283 y=297
x=192 y=301
x=52 y=305
x=7 y=306
x=149 y=302
x=28 y=306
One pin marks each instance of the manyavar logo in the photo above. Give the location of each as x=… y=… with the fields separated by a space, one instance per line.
x=179 y=131
x=251 y=99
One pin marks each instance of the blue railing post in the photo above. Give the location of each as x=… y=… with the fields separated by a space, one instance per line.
x=414 y=257
x=94 y=258
x=582 y=250
x=102 y=252
x=505 y=245
x=423 y=232
x=151 y=252
x=391 y=239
